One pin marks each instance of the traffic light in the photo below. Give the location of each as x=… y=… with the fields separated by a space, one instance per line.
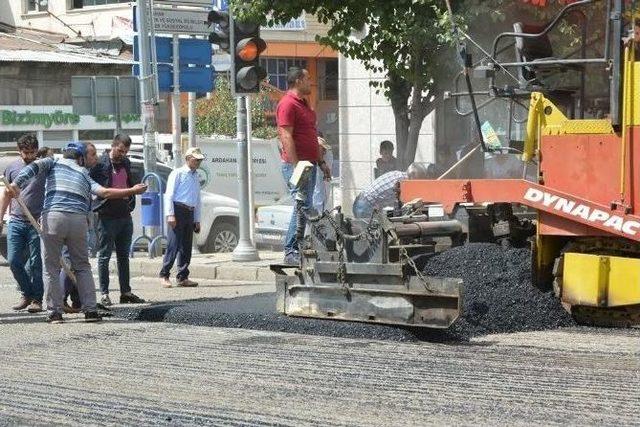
x=246 y=72
x=221 y=34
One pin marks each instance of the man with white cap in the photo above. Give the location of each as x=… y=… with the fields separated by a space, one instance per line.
x=182 y=208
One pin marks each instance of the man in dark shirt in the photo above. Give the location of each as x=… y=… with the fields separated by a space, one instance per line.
x=386 y=162
x=23 y=241
x=115 y=227
x=299 y=141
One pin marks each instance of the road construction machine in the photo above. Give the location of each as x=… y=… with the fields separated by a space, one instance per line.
x=579 y=176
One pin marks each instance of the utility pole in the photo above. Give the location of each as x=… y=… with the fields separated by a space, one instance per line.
x=147 y=89
x=148 y=98
x=245 y=251
x=192 y=120
x=175 y=104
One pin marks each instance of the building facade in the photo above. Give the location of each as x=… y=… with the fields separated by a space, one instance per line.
x=107 y=26
x=366 y=118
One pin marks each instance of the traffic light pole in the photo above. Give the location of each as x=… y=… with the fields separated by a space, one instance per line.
x=245 y=251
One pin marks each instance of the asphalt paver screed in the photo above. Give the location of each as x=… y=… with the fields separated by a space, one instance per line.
x=498 y=294
x=498 y=297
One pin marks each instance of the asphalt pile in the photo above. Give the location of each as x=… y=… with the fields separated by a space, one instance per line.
x=498 y=298
x=498 y=294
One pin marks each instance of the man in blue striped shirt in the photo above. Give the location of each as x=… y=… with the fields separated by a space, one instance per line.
x=182 y=208
x=64 y=221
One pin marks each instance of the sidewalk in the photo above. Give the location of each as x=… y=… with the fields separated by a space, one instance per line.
x=206 y=266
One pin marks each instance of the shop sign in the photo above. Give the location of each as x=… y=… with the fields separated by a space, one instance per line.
x=58 y=117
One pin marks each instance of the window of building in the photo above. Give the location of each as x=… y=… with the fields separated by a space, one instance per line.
x=79 y=4
x=328 y=80
x=56 y=138
x=95 y=134
x=12 y=137
x=277 y=69
x=36 y=5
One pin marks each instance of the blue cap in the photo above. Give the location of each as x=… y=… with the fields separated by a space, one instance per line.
x=78 y=147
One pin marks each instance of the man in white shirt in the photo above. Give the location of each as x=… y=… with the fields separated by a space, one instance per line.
x=182 y=208
x=381 y=193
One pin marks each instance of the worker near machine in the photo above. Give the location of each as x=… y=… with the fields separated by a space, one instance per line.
x=381 y=193
x=322 y=189
x=386 y=162
x=182 y=204
x=299 y=141
x=23 y=241
x=67 y=201
x=114 y=225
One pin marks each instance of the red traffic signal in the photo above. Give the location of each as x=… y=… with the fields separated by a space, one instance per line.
x=246 y=72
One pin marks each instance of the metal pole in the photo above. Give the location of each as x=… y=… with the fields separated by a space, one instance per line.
x=250 y=172
x=245 y=251
x=148 y=96
x=118 y=107
x=192 y=120
x=175 y=104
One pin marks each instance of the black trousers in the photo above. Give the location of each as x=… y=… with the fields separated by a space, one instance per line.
x=179 y=243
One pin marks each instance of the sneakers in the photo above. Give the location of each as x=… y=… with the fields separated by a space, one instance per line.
x=130 y=298
x=24 y=303
x=105 y=300
x=165 y=282
x=35 y=307
x=92 y=316
x=69 y=310
x=55 y=318
x=186 y=283
x=291 y=259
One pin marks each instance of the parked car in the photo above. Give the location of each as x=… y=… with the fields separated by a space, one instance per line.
x=219 y=219
x=272 y=223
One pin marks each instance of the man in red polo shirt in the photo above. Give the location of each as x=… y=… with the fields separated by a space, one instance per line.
x=299 y=141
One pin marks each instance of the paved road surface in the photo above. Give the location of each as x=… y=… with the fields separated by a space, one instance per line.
x=141 y=373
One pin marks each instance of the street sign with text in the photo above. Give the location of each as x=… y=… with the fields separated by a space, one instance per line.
x=201 y=3
x=180 y=21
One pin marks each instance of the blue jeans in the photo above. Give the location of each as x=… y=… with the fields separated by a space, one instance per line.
x=23 y=244
x=362 y=208
x=290 y=244
x=114 y=233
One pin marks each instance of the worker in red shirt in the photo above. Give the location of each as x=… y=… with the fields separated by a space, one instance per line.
x=299 y=141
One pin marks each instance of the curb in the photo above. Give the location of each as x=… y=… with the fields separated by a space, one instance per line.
x=226 y=271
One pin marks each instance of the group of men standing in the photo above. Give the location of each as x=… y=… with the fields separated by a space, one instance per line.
x=61 y=193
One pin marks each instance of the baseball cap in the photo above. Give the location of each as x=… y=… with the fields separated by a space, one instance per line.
x=195 y=153
x=76 y=146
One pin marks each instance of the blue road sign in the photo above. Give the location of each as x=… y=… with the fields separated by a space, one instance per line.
x=192 y=79
x=164 y=50
x=192 y=51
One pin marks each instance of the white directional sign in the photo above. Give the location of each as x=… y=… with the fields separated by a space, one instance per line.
x=180 y=21
x=203 y=3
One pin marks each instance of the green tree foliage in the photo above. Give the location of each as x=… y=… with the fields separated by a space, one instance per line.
x=405 y=40
x=217 y=115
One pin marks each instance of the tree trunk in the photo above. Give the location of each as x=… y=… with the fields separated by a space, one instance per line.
x=399 y=95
